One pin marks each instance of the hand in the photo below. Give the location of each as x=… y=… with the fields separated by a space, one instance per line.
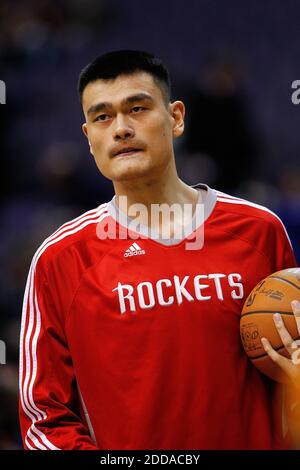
x=290 y=366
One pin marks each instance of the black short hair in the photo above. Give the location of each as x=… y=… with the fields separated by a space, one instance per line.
x=125 y=62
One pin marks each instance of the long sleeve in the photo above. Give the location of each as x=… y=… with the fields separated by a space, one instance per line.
x=50 y=410
x=275 y=243
x=284 y=253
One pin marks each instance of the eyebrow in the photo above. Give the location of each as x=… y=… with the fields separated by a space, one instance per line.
x=96 y=108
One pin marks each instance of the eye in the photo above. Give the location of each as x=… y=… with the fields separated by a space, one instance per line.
x=102 y=117
x=137 y=109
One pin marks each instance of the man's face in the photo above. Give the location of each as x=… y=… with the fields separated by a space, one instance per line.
x=129 y=127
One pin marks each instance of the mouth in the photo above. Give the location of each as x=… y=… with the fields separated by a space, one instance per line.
x=127 y=152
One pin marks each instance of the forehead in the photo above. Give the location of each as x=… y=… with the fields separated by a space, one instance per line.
x=116 y=90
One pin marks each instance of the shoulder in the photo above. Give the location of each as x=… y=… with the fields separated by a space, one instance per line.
x=247 y=210
x=254 y=222
x=74 y=232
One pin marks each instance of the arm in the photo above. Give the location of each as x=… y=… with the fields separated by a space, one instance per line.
x=283 y=257
x=292 y=369
x=49 y=406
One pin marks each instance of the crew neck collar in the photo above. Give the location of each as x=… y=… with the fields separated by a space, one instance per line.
x=207 y=198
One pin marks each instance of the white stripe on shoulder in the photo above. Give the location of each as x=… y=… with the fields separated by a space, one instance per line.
x=31 y=303
x=78 y=219
x=257 y=206
x=82 y=223
x=246 y=203
x=227 y=196
x=75 y=222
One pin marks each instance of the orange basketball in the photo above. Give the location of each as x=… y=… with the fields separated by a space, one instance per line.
x=273 y=294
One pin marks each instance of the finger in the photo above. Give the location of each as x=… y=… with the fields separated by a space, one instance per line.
x=286 y=338
x=296 y=356
x=296 y=309
x=280 y=360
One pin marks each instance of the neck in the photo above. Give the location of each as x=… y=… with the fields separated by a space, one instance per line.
x=165 y=188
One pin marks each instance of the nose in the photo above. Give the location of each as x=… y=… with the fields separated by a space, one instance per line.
x=122 y=130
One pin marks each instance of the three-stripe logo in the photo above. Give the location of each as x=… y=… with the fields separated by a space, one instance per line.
x=134 y=250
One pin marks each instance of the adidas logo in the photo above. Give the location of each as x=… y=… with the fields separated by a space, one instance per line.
x=134 y=250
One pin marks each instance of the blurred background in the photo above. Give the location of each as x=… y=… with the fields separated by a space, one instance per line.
x=233 y=63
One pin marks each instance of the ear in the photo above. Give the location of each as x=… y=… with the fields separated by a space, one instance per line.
x=85 y=131
x=177 y=111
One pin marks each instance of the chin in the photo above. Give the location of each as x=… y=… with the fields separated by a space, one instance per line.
x=131 y=170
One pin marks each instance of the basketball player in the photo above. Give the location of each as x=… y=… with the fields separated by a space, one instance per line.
x=130 y=335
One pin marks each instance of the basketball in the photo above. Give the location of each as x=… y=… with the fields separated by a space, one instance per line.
x=273 y=294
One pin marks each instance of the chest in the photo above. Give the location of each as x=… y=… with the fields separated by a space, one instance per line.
x=142 y=278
